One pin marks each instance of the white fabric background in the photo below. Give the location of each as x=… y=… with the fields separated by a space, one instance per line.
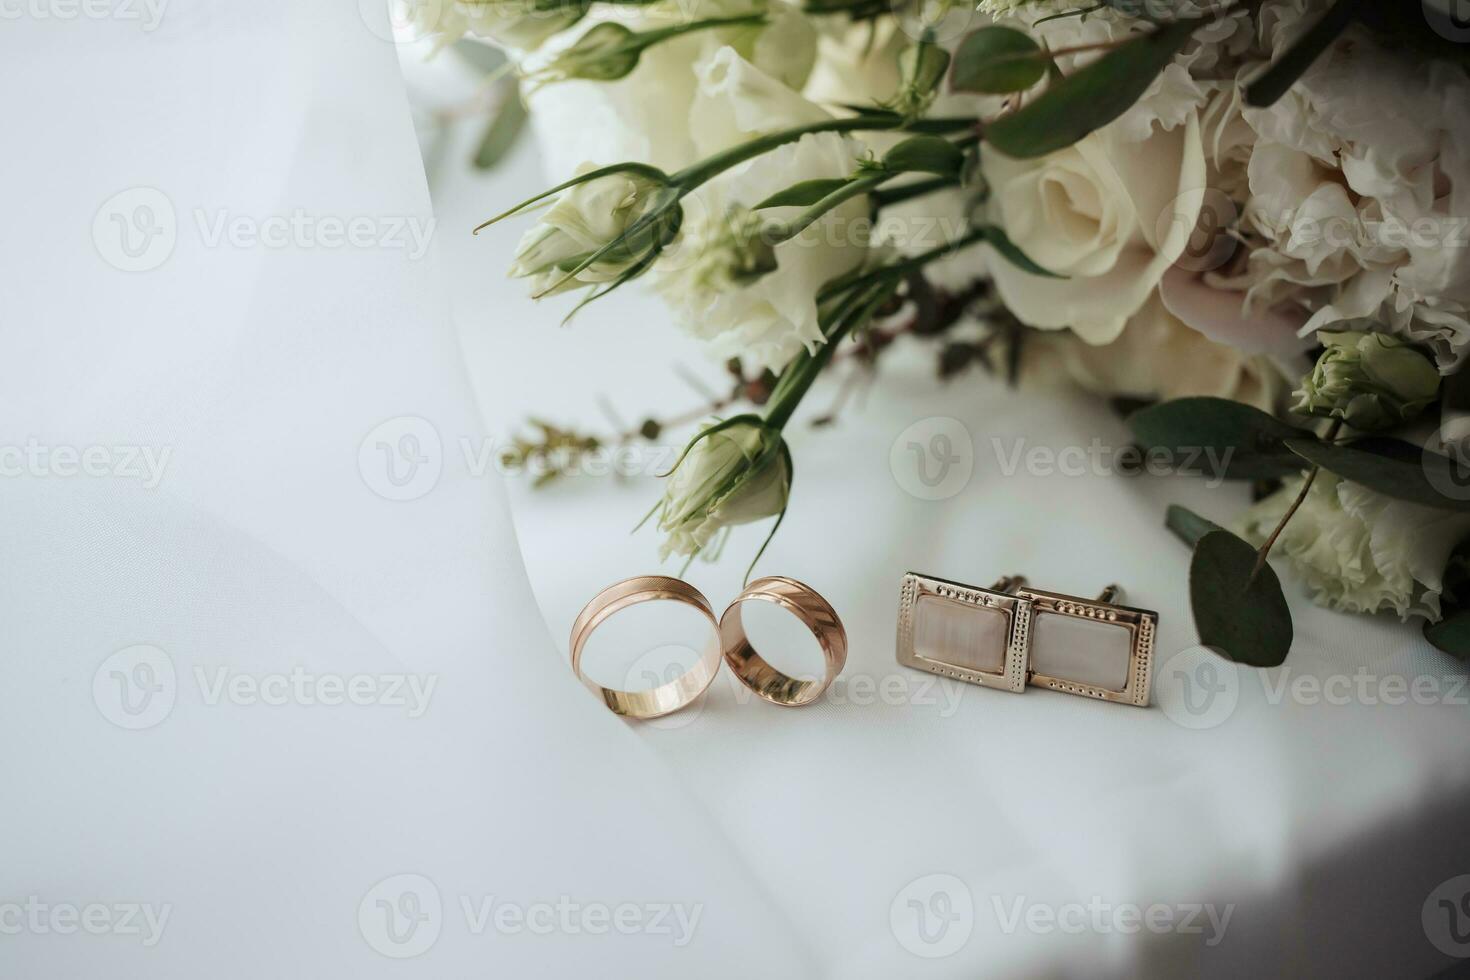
x=264 y=549
x=265 y=828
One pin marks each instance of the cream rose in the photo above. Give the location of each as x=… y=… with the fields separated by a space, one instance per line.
x=1110 y=214
x=1155 y=357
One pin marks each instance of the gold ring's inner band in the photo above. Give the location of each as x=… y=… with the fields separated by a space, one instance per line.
x=813 y=611
x=667 y=697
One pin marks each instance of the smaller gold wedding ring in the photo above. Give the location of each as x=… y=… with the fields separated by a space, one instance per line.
x=814 y=612
x=667 y=697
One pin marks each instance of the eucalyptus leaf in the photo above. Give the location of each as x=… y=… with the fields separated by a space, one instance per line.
x=997 y=60
x=1452 y=633
x=1090 y=97
x=1238 y=611
x=1280 y=76
x=1394 y=468
x=500 y=136
x=803 y=193
x=1187 y=525
x=1247 y=443
x=929 y=154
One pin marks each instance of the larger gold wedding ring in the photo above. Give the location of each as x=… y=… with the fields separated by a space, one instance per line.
x=667 y=697
x=815 y=613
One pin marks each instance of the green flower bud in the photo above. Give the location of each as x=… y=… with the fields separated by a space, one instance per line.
x=921 y=67
x=1369 y=380
x=605 y=53
x=605 y=210
x=733 y=472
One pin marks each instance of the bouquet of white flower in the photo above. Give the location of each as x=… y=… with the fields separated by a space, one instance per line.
x=1178 y=203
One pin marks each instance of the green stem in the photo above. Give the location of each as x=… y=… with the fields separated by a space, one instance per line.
x=897 y=270
x=843 y=194
x=918 y=188
x=647 y=39
x=692 y=176
x=803 y=372
x=1296 y=504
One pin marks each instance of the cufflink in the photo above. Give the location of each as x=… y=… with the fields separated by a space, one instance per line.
x=968 y=633
x=1092 y=647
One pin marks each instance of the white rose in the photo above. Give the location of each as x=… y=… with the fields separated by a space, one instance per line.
x=1360 y=551
x=1155 y=357
x=1110 y=214
x=768 y=320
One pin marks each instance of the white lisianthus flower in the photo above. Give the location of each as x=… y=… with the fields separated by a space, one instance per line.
x=650 y=115
x=733 y=473
x=519 y=24
x=768 y=320
x=1359 y=551
x=1156 y=357
x=737 y=102
x=1356 y=194
x=583 y=219
x=1109 y=214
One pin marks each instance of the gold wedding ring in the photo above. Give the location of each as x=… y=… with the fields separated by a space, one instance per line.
x=815 y=613
x=665 y=698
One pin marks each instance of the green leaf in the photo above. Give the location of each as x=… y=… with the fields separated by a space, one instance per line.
x=1090 y=97
x=997 y=60
x=1188 y=525
x=1216 y=433
x=804 y=193
x=997 y=239
x=1452 y=633
x=1273 y=83
x=1240 y=613
x=1394 y=468
x=502 y=132
x=929 y=154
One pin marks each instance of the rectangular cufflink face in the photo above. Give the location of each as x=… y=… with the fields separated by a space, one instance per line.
x=971 y=634
x=1091 y=648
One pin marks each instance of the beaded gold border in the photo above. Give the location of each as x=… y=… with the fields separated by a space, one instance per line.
x=1018 y=616
x=1142 y=624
